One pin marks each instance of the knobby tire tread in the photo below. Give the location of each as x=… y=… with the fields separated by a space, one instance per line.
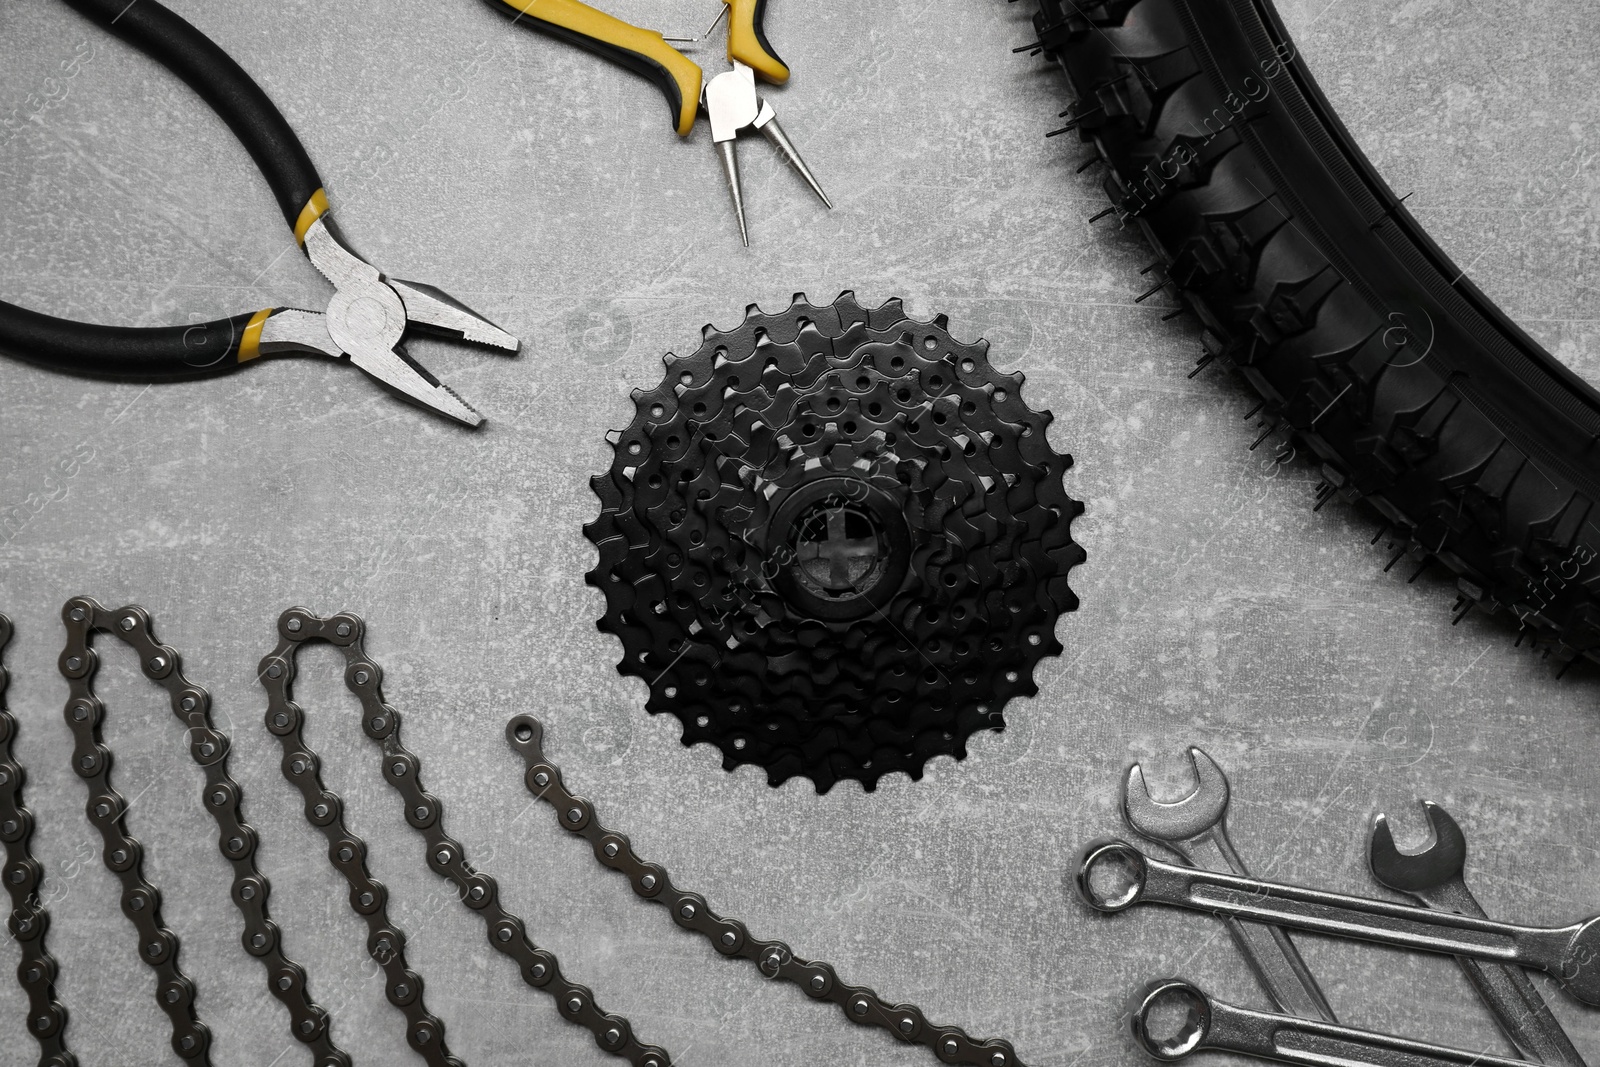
x=1407 y=386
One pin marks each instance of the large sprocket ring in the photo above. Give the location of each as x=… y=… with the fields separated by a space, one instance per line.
x=834 y=542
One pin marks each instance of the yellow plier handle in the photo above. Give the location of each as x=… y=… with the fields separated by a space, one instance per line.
x=747 y=40
x=644 y=51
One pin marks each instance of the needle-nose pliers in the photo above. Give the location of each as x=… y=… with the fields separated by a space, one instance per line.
x=730 y=99
x=366 y=318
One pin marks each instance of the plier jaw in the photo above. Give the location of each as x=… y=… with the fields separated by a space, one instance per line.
x=729 y=99
x=367 y=318
x=733 y=106
x=368 y=315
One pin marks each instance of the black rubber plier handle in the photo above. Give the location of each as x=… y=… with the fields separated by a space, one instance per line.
x=364 y=322
x=175 y=351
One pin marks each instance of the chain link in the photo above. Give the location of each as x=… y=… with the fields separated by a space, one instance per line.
x=47 y=1018
x=324 y=809
x=424 y=811
x=729 y=936
x=123 y=855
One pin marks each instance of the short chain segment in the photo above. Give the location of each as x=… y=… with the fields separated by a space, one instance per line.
x=423 y=810
x=369 y=898
x=47 y=1018
x=774 y=959
x=141 y=901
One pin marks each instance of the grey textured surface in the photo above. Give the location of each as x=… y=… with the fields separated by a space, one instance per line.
x=545 y=188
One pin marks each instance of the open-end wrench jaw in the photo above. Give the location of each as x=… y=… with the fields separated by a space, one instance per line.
x=1179 y=820
x=1442 y=860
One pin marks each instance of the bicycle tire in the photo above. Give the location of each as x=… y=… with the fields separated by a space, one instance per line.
x=1414 y=393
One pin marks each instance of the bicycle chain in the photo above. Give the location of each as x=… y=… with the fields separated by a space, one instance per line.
x=29 y=920
x=730 y=937
x=123 y=855
x=424 y=812
x=926 y=620
x=324 y=809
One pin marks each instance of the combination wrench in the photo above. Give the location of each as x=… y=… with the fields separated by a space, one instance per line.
x=1196 y=828
x=1113 y=875
x=1435 y=876
x=1203 y=1024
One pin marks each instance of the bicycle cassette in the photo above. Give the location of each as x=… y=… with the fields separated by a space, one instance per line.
x=834 y=542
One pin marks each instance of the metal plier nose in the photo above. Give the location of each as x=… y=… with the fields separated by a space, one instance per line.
x=734 y=106
x=368 y=315
x=729 y=98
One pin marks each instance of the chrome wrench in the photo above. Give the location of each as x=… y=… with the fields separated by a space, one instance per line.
x=1212 y=1025
x=1196 y=828
x=1113 y=875
x=1435 y=876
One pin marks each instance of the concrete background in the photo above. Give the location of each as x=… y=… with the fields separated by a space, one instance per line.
x=545 y=188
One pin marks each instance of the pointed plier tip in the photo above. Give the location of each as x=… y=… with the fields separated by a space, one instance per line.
x=731 y=101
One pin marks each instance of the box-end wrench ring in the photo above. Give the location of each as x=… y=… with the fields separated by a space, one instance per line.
x=1113 y=875
x=1212 y=1025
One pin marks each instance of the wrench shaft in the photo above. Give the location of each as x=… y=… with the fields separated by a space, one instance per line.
x=1507 y=991
x=1268 y=950
x=1342 y=920
x=1318 y=1044
x=1521 y=1012
x=1337 y=915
